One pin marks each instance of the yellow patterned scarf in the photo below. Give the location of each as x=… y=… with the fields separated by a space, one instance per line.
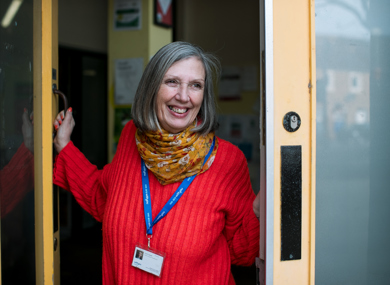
x=173 y=157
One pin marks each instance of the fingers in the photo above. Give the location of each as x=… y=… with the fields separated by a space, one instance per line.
x=27 y=131
x=26 y=124
x=59 y=119
x=64 y=118
x=60 y=115
x=32 y=117
x=26 y=119
x=64 y=124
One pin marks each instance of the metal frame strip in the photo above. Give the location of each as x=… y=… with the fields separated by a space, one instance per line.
x=269 y=102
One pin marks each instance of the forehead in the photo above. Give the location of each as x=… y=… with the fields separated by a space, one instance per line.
x=187 y=67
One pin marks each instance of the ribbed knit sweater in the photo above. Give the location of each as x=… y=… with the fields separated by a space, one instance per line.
x=211 y=226
x=16 y=179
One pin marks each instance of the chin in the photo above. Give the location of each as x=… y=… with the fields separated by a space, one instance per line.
x=176 y=128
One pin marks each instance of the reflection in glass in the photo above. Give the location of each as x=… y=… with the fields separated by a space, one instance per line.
x=353 y=162
x=16 y=144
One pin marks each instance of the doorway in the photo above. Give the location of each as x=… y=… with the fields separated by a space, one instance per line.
x=83 y=78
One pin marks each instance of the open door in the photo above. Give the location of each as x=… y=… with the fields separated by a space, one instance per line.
x=28 y=37
x=326 y=134
x=288 y=143
x=47 y=244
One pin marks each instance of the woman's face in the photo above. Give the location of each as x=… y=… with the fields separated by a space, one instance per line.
x=180 y=95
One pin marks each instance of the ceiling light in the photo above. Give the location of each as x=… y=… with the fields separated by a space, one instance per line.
x=11 y=12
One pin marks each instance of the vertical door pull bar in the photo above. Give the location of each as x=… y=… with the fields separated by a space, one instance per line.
x=62 y=95
x=291 y=198
x=64 y=99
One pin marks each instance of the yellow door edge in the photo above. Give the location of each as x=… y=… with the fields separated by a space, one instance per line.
x=294 y=91
x=313 y=109
x=42 y=31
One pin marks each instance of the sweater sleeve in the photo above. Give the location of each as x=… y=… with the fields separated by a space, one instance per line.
x=242 y=228
x=73 y=172
x=16 y=179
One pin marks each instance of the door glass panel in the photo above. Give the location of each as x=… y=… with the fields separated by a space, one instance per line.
x=353 y=134
x=16 y=143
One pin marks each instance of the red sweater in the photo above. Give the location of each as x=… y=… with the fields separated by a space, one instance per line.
x=211 y=226
x=16 y=179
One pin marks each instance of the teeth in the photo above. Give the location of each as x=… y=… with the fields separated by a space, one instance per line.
x=177 y=110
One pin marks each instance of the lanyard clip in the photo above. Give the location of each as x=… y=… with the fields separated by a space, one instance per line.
x=149 y=237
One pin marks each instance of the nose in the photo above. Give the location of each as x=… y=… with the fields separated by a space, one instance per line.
x=182 y=94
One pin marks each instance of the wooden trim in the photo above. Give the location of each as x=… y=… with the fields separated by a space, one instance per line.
x=42 y=32
x=294 y=75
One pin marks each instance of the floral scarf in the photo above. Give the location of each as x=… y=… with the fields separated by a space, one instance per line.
x=173 y=157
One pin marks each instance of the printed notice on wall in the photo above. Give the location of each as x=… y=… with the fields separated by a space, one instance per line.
x=127 y=14
x=128 y=73
x=230 y=83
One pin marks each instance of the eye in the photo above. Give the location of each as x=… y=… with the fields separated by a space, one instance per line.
x=171 y=82
x=197 y=86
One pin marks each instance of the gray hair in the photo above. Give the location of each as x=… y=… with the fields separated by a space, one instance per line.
x=143 y=110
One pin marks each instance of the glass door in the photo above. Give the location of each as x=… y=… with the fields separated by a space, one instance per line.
x=26 y=112
x=17 y=142
x=327 y=62
x=353 y=158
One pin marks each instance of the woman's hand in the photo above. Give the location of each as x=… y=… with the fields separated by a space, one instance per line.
x=28 y=130
x=256 y=205
x=64 y=128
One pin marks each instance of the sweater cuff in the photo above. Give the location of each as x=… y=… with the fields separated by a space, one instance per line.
x=25 y=152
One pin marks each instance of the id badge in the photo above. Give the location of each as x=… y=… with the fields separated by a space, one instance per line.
x=148 y=259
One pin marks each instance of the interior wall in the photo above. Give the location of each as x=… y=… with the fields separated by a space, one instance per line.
x=83 y=24
x=127 y=44
x=230 y=30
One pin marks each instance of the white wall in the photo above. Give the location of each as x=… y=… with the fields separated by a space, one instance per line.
x=82 y=24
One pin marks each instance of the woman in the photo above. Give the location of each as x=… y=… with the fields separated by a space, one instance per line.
x=191 y=212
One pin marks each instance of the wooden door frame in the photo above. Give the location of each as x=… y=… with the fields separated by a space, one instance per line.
x=289 y=43
x=45 y=46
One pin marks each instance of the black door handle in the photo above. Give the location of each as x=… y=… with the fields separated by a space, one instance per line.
x=64 y=99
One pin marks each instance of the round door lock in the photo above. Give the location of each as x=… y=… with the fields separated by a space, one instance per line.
x=291 y=122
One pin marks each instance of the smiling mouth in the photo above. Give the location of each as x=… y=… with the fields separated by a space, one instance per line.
x=178 y=110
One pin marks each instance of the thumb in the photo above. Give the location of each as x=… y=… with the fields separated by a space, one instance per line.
x=68 y=116
x=25 y=118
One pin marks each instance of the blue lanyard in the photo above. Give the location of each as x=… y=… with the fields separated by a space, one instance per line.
x=172 y=201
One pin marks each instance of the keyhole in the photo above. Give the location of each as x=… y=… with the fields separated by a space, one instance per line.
x=293 y=122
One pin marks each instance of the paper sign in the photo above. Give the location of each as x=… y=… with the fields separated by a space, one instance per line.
x=230 y=83
x=128 y=73
x=127 y=14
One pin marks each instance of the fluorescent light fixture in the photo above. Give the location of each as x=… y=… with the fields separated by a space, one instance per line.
x=11 y=12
